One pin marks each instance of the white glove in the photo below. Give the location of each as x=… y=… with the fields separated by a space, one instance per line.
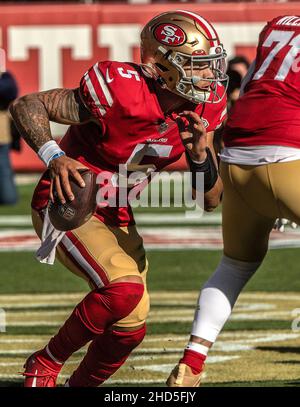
x=280 y=224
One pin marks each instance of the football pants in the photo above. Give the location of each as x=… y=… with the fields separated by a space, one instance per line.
x=100 y=254
x=254 y=196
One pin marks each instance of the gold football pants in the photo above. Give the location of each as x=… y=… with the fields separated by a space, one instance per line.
x=254 y=196
x=101 y=254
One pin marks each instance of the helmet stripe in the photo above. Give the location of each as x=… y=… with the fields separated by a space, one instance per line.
x=208 y=28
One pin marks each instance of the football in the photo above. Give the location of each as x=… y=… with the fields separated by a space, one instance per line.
x=74 y=214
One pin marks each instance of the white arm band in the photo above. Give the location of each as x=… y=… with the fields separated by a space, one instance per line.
x=49 y=151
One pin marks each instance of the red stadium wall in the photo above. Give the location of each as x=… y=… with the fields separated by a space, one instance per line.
x=52 y=45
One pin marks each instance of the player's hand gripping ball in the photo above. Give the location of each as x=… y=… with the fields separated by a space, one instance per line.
x=75 y=213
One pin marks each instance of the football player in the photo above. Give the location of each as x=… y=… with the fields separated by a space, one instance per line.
x=260 y=171
x=122 y=113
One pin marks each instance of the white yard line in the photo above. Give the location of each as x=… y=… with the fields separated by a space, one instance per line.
x=156 y=238
x=232 y=345
x=173 y=219
x=22 y=341
x=17 y=220
x=141 y=218
x=166 y=368
x=27 y=179
x=157 y=298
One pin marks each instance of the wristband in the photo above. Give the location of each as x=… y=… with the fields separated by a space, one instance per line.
x=209 y=169
x=50 y=151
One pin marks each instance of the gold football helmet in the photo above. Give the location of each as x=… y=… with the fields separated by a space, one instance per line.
x=175 y=47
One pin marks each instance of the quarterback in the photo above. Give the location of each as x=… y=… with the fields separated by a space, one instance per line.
x=144 y=116
x=260 y=171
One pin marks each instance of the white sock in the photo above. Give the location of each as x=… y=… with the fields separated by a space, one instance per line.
x=219 y=295
x=198 y=347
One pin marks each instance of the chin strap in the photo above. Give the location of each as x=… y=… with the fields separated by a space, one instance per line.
x=150 y=72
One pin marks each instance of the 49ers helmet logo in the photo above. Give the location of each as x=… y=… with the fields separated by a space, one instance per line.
x=169 y=34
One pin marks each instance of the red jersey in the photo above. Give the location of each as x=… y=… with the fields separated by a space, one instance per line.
x=269 y=111
x=131 y=129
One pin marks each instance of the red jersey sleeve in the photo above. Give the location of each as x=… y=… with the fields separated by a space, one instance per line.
x=95 y=92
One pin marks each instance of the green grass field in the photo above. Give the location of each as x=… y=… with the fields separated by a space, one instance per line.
x=256 y=348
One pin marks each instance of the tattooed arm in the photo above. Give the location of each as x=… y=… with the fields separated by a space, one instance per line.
x=32 y=115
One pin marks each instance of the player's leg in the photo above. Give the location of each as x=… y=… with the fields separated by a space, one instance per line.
x=109 y=351
x=94 y=252
x=267 y=192
x=248 y=213
x=284 y=178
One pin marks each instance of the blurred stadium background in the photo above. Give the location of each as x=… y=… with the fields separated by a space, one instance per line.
x=51 y=44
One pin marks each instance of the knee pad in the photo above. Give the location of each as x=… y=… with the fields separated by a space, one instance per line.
x=105 y=306
x=138 y=315
x=129 y=339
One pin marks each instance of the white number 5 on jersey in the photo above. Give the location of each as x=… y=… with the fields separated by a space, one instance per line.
x=129 y=74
